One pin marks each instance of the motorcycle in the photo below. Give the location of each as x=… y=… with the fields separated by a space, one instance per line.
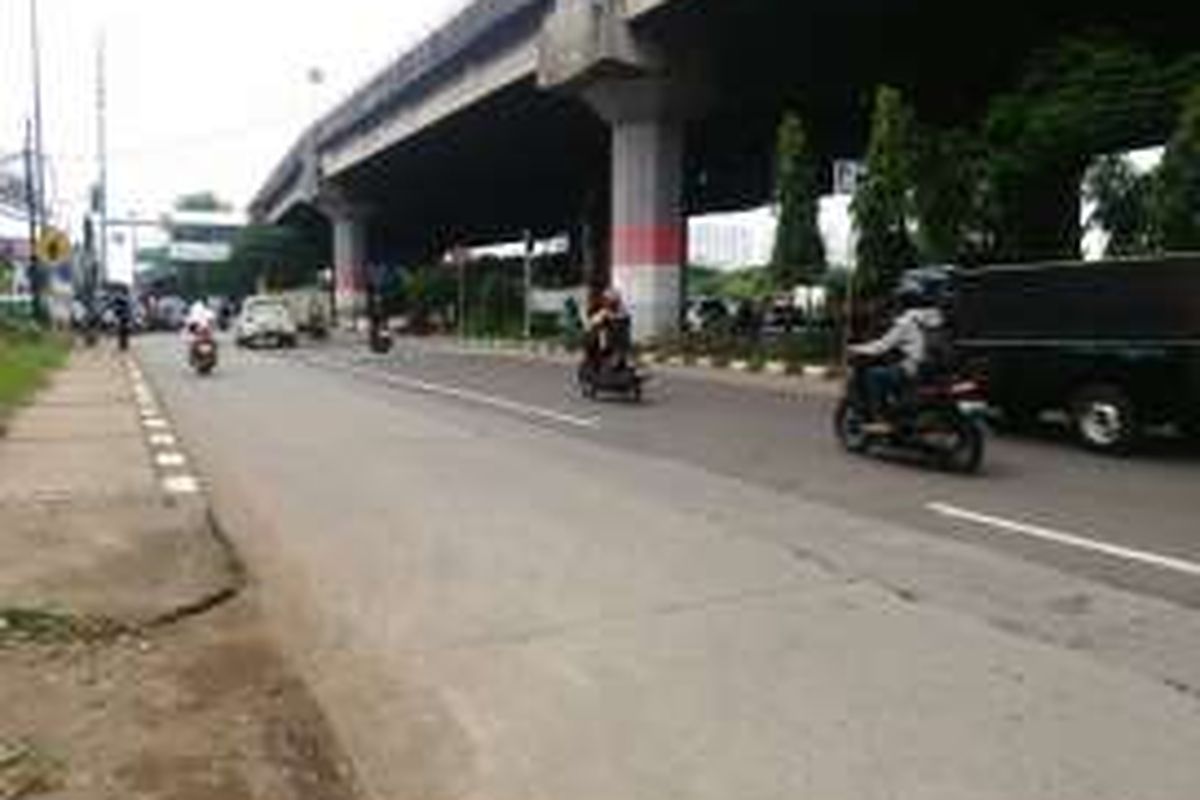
x=202 y=352
x=940 y=417
x=379 y=338
x=606 y=376
x=610 y=367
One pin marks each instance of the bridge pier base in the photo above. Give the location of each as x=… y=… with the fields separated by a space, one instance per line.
x=349 y=261
x=649 y=228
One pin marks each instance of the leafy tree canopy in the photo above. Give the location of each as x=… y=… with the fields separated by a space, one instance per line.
x=799 y=250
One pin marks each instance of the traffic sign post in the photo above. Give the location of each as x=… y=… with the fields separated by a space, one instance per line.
x=53 y=247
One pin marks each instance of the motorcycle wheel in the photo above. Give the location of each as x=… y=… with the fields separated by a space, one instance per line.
x=965 y=452
x=848 y=424
x=587 y=386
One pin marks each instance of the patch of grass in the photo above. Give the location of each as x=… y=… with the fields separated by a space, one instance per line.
x=24 y=626
x=26 y=358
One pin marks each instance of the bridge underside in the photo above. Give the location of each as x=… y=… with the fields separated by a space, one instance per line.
x=525 y=159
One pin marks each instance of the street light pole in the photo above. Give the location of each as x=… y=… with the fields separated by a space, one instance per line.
x=34 y=266
x=35 y=48
x=102 y=157
x=35 y=167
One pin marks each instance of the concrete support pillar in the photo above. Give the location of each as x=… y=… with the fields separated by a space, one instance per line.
x=349 y=260
x=649 y=228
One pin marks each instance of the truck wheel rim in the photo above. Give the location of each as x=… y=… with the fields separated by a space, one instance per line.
x=1102 y=424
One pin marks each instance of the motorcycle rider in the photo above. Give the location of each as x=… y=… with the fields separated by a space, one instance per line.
x=903 y=351
x=607 y=329
x=199 y=319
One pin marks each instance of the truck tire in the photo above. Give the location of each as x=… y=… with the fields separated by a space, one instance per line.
x=1104 y=418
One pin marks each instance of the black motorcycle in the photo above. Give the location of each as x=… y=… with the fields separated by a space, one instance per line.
x=608 y=364
x=606 y=376
x=940 y=417
x=379 y=338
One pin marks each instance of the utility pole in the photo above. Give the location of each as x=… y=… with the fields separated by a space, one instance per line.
x=35 y=48
x=460 y=257
x=102 y=158
x=528 y=284
x=31 y=201
x=35 y=168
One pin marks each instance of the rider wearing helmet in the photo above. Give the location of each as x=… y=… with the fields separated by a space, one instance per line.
x=607 y=329
x=903 y=350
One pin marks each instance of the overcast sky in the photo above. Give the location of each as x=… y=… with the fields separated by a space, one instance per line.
x=201 y=95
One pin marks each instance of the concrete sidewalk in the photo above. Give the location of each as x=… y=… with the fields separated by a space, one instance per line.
x=85 y=524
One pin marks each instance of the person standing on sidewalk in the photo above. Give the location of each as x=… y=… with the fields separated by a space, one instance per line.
x=122 y=308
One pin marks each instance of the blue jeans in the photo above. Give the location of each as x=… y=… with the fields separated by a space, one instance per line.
x=883 y=383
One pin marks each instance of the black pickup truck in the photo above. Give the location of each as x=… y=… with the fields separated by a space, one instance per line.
x=1115 y=344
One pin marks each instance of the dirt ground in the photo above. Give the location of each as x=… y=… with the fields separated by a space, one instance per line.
x=200 y=709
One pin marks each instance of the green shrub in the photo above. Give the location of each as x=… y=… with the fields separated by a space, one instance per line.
x=27 y=356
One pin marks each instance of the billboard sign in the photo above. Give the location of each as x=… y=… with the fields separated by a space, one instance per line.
x=200 y=252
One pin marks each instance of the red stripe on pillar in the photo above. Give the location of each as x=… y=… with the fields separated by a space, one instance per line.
x=350 y=279
x=664 y=245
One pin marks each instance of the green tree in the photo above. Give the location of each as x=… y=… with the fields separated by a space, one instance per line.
x=750 y=283
x=430 y=290
x=948 y=198
x=883 y=201
x=1176 y=205
x=278 y=255
x=1121 y=200
x=201 y=201
x=799 y=254
x=1086 y=95
x=703 y=281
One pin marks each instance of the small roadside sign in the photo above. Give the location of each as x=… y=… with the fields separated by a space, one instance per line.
x=54 y=247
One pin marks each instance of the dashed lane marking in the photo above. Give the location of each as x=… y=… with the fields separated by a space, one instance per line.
x=170 y=459
x=181 y=484
x=468 y=395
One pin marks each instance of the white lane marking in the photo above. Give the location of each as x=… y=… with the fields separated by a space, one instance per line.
x=162 y=440
x=470 y=396
x=170 y=459
x=493 y=401
x=1069 y=539
x=181 y=484
x=155 y=424
x=150 y=411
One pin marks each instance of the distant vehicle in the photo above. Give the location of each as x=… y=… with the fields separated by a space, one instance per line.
x=167 y=313
x=310 y=309
x=1115 y=344
x=612 y=370
x=703 y=313
x=265 y=321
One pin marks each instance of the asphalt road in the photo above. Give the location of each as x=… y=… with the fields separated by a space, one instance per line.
x=499 y=590
x=1148 y=503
